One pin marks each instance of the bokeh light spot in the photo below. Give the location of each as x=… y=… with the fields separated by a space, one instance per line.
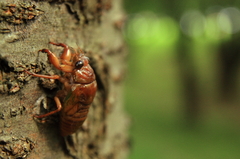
x=148 y=29
x=228 y=20
x=193 y=23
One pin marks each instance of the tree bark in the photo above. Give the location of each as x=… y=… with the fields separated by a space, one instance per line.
x=26 y=27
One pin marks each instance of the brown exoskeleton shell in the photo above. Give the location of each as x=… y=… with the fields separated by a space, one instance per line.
x=79 y=88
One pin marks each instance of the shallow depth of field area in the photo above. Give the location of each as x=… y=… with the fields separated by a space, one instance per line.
x=182 y=86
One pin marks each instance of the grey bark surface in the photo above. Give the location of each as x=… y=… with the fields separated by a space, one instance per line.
x=25 y=28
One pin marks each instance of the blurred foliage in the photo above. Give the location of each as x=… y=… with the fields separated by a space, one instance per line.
x=183 y=87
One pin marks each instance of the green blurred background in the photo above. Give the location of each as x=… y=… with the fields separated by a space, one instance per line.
x=183 y=82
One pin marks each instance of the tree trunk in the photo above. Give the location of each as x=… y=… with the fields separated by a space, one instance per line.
x=25 y=28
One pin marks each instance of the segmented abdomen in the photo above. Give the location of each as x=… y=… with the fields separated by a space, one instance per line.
x=75 y=107
x=70 y=123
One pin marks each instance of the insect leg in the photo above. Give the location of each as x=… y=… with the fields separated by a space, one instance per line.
x=43 y=76
x=59 y=107
x=66 y=55
x=52 y=58
x=55 y=61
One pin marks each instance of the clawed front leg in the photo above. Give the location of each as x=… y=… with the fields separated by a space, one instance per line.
x=66 y=55
x=66 y=65
x=53 y=59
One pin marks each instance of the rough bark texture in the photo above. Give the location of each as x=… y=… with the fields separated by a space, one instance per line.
x=25 y=28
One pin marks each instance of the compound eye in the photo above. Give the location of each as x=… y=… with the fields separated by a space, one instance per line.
x=79 y=64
